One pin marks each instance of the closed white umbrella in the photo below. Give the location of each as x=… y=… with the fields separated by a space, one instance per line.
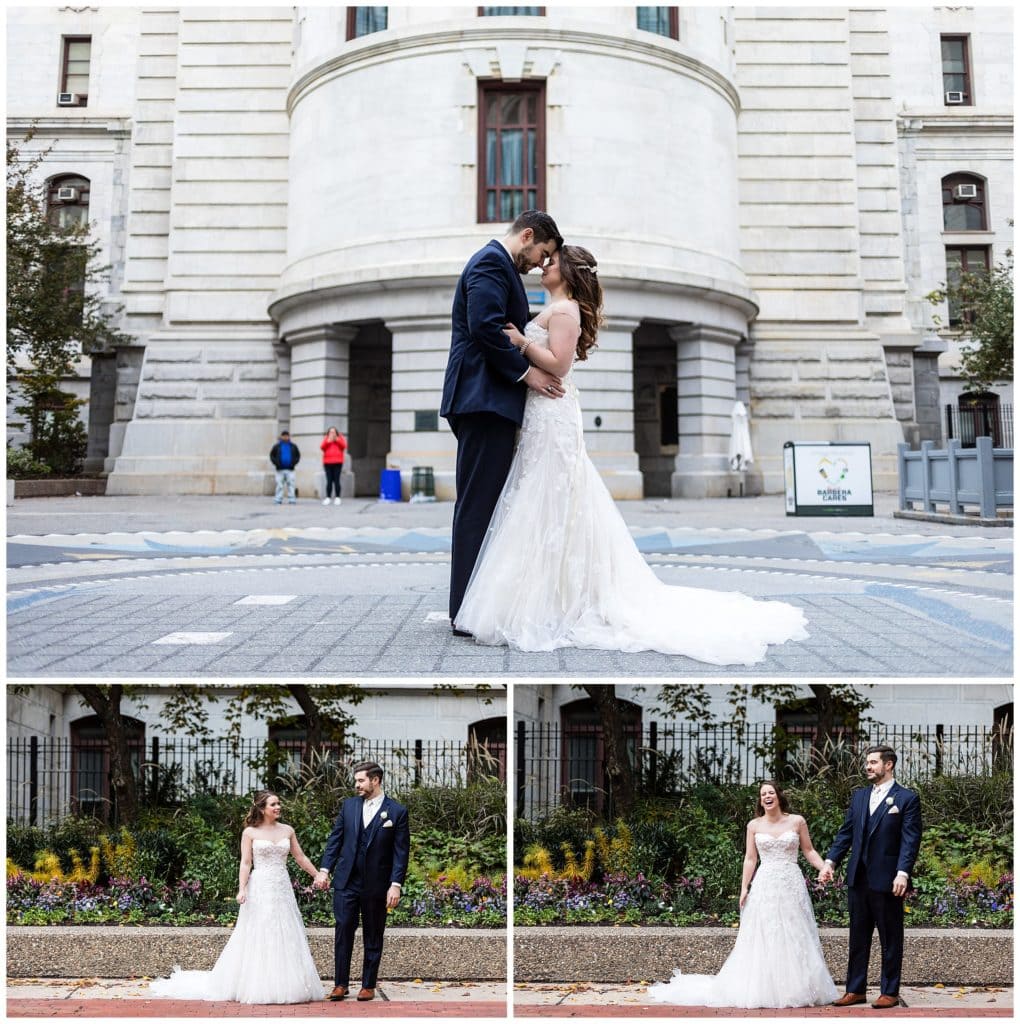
x=740 y=453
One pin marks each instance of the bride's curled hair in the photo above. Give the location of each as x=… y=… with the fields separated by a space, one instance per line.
x=257 y=811
x=579 y=271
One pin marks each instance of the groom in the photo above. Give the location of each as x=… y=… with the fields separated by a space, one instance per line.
x=882 y=830
x=369 y=847
x=483 y=391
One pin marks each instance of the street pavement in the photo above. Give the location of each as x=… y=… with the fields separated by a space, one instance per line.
x=631 y=1000
x=238 y=586
x=118 y=997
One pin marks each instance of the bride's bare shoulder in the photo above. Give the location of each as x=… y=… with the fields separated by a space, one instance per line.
x=567 y=306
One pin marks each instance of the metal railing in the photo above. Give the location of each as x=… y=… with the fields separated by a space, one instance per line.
x=565 y=767
x=968 y=423
x=49 y=779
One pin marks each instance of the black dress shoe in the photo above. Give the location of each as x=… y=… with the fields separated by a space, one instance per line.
x=462 y=632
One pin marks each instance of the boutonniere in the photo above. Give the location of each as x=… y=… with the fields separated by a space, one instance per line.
x=889 y=800
x=383 y=815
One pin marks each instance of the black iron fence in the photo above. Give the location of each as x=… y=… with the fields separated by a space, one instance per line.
x=565 y=767
x=49 y=779
x=968 y=423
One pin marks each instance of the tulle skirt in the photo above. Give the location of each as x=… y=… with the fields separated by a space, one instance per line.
x=559 y=568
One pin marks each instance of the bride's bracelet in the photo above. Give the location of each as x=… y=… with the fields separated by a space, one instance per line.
x=524 y=347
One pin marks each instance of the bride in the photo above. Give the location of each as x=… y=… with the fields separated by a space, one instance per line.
x=777 y=959
x=266 y=959
x=558 y=566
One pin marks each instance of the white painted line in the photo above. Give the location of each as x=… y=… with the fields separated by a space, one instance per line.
x=192 y=638
x=267 y=599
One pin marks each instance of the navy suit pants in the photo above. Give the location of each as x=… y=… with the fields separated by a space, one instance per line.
x=349 y=904
x=870 y=909
x=485 y=449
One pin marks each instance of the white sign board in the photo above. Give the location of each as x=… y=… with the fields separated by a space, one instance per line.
x=828 y=478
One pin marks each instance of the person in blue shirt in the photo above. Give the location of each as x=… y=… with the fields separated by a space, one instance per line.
x=285 y=457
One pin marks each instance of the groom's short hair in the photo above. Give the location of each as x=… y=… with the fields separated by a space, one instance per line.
x=884 y=751
x=541 y=224
x=370 y=768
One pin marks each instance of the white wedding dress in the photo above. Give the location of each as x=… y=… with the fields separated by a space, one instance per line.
x=266 y=959
x=559 y=568
x=777 y=959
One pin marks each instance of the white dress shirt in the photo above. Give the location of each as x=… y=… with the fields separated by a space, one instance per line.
x=370 y=808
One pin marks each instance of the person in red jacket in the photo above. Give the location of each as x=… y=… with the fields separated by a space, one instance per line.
x=333 y=446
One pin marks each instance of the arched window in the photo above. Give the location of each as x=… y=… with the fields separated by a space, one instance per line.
x=91 y=793
x=67 y=200
x=487 y=748
x=980 y=416
x=810 y=726
x=963 y=203
x=583 y=753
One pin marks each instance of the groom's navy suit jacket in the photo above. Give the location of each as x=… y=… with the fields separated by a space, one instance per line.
x=484 y=367
x=880 y=844
x=386 y=847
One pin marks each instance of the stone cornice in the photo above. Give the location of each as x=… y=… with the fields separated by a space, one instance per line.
x=396 y=46
x=932 y=122
x=69 y=127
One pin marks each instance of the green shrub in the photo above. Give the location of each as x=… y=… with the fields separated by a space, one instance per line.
x=573 y=827
x=161 y=855
x=23 y=843
x=984 y=801
x=473 y=811
x=79 y=834
x=21 y=465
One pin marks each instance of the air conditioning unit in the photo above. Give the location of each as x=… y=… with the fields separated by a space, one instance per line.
x=965 y=192
x=68 y=99
x=67 y=194
x=954 y=97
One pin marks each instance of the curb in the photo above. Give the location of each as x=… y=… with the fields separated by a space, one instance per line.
x=461 y=954
x=951 y=956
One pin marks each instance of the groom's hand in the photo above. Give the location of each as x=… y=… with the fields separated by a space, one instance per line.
x=392 y=897
x=321 y=880
x=544 y=383
x=825 y=875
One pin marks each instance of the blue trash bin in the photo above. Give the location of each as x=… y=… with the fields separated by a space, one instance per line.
x=389 y=485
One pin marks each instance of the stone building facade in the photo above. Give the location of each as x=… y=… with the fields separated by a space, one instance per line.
x=287 y=196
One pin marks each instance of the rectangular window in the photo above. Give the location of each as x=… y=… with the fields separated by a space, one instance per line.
x=663 y=21
x=956 y=89
x=508 y=12
x=363 y=21
x=511 y=142
x=974 y=259
x=74 y=72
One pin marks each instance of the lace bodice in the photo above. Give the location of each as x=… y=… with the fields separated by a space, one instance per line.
x=270 y=854
x=781 y=848
x=540 y=336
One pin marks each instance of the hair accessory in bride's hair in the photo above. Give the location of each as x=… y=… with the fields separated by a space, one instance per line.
x=584 y=266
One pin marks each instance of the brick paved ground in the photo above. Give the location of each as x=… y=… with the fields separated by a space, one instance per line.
x=114 y=997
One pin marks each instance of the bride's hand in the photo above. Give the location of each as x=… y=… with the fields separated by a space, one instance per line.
x=241 y=896
x=514 y=335
x=743 y=899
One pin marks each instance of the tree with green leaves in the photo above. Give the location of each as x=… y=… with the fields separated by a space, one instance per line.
x=984 y=302
x=54 y=314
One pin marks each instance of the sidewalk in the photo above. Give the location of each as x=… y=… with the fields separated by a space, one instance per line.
x=631 y=1000
x=115 y=997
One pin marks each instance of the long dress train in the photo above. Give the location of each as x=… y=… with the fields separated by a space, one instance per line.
x=777 y=959
x=559 y=568
x=266 y=959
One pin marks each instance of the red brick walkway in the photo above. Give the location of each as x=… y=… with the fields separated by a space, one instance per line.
x=701 y=1011
x=200 y=1008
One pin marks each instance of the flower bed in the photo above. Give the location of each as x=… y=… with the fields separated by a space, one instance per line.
x=123 y=901
x=962 y=901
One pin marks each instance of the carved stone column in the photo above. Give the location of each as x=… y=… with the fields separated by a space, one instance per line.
x=706 y=392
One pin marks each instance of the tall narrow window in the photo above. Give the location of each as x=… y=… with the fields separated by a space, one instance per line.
x=74 y=72
x=956 y=88
x=963 y=203
x=511 y=139
x=971 y=259
x=509 y=12
x=363 y=21
x=67 y=207
x=663 y=21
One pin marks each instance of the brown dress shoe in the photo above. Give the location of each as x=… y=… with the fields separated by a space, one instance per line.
x=338 y=993
x=885 y=1002
x=365 y=994
x=851 y=999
